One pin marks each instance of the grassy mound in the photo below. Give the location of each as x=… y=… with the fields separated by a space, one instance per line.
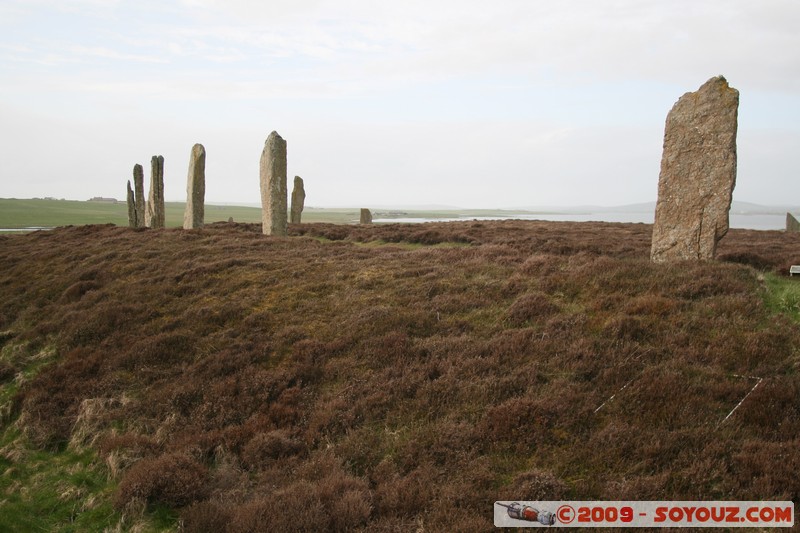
x=237 y=382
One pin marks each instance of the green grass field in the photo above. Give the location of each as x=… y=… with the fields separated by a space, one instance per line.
x=52 y=213
x=15 y=213
x=783 y=295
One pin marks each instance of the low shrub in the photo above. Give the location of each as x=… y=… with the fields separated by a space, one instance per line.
x=205 y=517
x=91 y=327
x=50 y=402
x=521 y=422
x=7 y=371
x=75 y=292
x=173 y=479
x=535 y=485
x=757 y=261
x=767 y=470
x=269 y=446
x=166 y=348
x=295 y=510
x=404 y=495
x=530 y=307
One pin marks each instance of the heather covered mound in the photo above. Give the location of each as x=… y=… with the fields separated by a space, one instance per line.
x=397 y=377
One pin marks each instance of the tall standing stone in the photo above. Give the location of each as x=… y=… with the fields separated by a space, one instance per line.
x=131 y=207
x=366 y=216
x=298 y=200
x=154 y=215
x=792 y=225
x=273 y=186
x=195 y=189
x=698 y=173
x=138 y=189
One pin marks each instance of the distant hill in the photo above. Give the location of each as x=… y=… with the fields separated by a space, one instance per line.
x=649 y=207
x=757 y=209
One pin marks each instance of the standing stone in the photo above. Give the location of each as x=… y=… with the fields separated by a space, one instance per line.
x=792 y=225
x=131 y=207
x=366 y=216
x=138 y=189
x=273 y=186
x=298 y=200
x=154 y=215
x=195 y=189
x=698 y=173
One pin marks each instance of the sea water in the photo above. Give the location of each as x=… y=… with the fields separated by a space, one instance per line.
x=740 y=221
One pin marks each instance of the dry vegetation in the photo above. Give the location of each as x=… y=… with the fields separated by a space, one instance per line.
x=315 y=383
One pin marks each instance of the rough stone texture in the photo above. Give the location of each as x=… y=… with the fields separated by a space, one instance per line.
x=131 y=207
x=366 y=216
x=195 y=189
x=298 y=200
x=154 y=214
x=138 y=190
x=791 y=223
x=698 y=173
x=273 y=186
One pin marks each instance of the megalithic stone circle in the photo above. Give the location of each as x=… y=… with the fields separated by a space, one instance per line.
x=698 y=174
x=154 y=215
x=273 y=186
x=298 y=200
x=195 y=189
x=366 y=216
x=131 y=207
x=138 y=189
x=792 y=225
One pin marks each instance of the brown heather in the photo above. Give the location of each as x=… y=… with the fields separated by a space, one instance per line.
x=332 y=381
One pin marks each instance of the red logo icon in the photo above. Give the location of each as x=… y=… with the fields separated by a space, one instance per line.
x=565 y=514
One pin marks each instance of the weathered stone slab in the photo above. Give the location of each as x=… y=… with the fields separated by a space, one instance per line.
x=792 y=225
x=298 y=200
x=154 y=215
x=194 y=213
x=698 y=174
x=366 y=216
x=138 y=190
x=131 y=207
x=273 y=186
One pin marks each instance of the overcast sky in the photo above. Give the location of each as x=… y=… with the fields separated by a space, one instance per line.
x=456 y=102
